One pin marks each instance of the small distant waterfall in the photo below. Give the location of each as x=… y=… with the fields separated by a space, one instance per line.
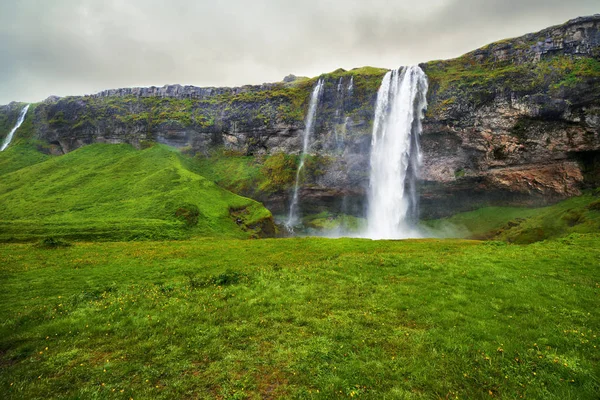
x=20 y=120
x=351 y=85
x=341 y=121
x=311 y=116
x=395 y=155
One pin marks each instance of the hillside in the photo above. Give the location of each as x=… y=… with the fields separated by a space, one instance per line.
x=117 y=192
x=523 y=225
x=20 y=155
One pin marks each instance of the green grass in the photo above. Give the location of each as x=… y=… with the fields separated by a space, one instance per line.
x=19 y=155
x=116 y=192
x=237 y=173
x=480 y=223
x=577 y=215
x=301 y=318
x=329 y=222
x=467 y=78
x=256 y=176
x=366 y=79
x=524 y=225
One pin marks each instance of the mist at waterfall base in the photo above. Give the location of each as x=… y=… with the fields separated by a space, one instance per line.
x=392 y=210
x=10 y=135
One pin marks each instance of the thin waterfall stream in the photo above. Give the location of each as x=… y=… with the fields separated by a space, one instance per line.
x=10 y=135
x=311 y=116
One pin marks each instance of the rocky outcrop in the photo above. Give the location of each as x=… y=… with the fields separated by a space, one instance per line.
x=514 y=123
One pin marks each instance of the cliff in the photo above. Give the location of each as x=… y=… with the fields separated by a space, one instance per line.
x=514 y=123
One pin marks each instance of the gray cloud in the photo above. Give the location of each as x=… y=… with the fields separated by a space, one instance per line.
x=67 y=47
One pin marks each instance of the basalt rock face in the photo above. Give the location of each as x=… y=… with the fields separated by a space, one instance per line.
x=514 y=123
x=180 y=116
x=251 y=120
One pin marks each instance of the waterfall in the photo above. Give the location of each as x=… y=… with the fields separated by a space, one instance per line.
x=395 y=155
x=339 y=127
x=308 y=127
x=351 y=85
x=8 y=138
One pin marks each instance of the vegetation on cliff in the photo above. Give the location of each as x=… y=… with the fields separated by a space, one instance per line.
x=114 y=192
x=559 y=62
x=477 y=83
x=257 y=177
x=246 y=109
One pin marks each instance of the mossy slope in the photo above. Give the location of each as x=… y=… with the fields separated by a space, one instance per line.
x=20 y=155
x=116 y=192
x=524 y=225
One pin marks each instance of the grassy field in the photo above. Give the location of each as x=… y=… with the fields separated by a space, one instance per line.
x=217 y=317
x=301 y=318
x=523 y=225
x=115 y=192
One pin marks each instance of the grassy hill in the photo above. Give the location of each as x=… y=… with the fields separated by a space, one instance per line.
x=524 y=225
x=301 y=318
x=20 y=155
x=116 y=192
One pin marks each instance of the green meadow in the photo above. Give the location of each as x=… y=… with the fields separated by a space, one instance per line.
x=127 y=274
x=301 y=318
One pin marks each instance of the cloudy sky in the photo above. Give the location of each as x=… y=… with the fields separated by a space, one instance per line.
x=70 y=47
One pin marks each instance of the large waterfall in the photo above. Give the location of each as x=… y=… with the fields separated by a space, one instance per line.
x=395 y=155
x=20 y=120
x=309 y=122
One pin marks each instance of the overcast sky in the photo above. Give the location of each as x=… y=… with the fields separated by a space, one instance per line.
x=72 y=47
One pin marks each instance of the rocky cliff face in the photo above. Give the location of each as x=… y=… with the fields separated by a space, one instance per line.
x=516 y=122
